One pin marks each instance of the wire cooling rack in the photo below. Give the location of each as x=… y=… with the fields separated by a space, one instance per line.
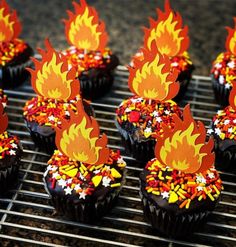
x=27 y=219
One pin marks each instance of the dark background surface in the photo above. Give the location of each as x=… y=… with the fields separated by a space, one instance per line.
x=124 y=18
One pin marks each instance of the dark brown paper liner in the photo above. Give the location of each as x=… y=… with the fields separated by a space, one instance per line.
x=173 y=225
x=184 y=79
x=221 y=93
x=13 y=75
x=225 y=160
x=9 y=176
x=95 y=86
x=142 y=151
x=85 y=212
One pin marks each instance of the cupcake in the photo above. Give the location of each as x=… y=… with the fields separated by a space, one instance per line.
x=172 y=40
x=88 y=54
x=139 y=119
x=14 y=52
x=83 y=177
x=223 y=72
x=10 y=154
x=57 y=93
x=223 y=129
x=180 y=186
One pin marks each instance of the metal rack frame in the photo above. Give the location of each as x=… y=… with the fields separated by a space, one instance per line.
x=27 y=219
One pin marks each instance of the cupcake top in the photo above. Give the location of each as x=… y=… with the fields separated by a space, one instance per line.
x=49 y=112
x=182 y=175
x=81 y=179
x=84 y=61
x=167 y=186
x=224 y=69
x=10 y=45
x=144 y=119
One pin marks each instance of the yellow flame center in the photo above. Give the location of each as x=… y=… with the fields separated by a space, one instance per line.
x=6 y=26
x=167 y=38
x=85 y=151
x=51 y=71
x=83 y=32
x=180 y=152
x=150 y=81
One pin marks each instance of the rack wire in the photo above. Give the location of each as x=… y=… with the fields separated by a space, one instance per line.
x=27 y=219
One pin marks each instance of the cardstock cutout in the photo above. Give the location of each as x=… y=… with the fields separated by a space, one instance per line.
x=167 y=31
x=52 y=78
x=230 y=43
x=232 y=96
x=185 y=148
x=83 y=28
x=10 y=26
x=79 y=138
x=3 y=119
x=151 y=78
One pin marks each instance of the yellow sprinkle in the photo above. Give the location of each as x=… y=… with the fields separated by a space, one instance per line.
x=211 y=197
x=168 y=177
x=92 y=168
x=200 y=198
x=84 y=167
x=85 y=174
x=217 y=191
x=176 y=187
x=64 y=167
x=181 y=195
x=115 y=173
x=182 y=191
x=188 y=203
x=99 y=166
x=81 y=169
x=172 y=186
x=156 y=192
x=70 y=167
x=191 y=182
x=150 y=190
x=115 y=185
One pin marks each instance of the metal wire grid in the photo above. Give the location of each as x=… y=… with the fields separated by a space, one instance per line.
x=27 y=219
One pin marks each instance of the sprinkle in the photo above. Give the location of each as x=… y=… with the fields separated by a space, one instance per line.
x=116 y=185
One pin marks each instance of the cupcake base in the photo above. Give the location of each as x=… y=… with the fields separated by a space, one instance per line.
x=173 y=225
x=94 y=83
x=221 y=93
x=142 y=151
x=14 y=74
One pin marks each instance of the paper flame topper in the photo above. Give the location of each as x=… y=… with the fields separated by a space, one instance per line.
x=151 y=77
x=3 y=119
x=79 y=139
x=9 y=23
x=51 y=77
x=171 y=38
x=232 y=97
x=84 y=30
x=184 y=148
x=231 y=39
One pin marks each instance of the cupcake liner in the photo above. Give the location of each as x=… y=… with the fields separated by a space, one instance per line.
x=13 y=75
x=173 y=225
x=141 y=150
x=86 y=212
x=221 y=93
x=9 y=175
x=95 y=84
x=225 y=155
x=184 y=80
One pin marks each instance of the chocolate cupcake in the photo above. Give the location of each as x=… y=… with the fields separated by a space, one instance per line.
x=83 y=177
x=14 y=52
x=223 y=72
x=180 y=186
x=139 y=119
x=10 y=154
x=58 y=92
x=88 y=54
x=172 y=40
x=223 y=129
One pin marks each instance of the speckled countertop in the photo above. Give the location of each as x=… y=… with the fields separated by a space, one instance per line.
x=124 y=18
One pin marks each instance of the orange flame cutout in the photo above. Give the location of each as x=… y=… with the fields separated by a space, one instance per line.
x=184 y=148
x=51 y=78
x=151 y=77
x=3 y=119
x=231 y=39
x=171 y=38
x=84 y=30
x=9 y=23
x=79 y=139
x=232 y=97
